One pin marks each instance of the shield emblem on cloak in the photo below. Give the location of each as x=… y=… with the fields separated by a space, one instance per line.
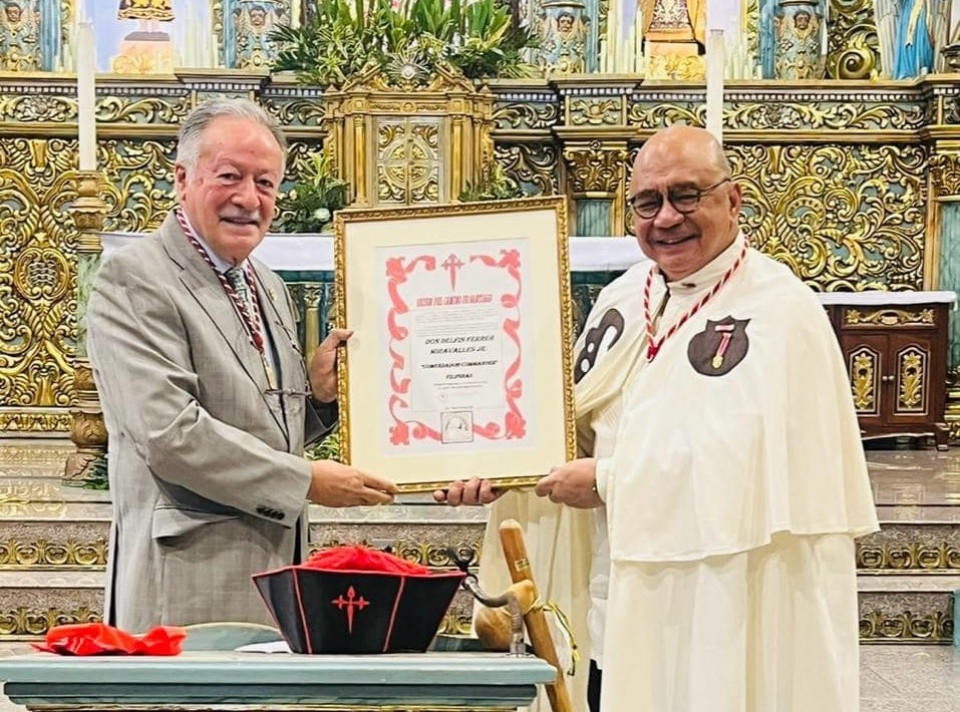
x=717 y=349
x=597 y=342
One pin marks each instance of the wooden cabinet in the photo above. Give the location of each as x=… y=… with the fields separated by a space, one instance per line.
x=895 y=348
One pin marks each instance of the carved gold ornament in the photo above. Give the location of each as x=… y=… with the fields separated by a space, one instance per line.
x=864 y=363
x=911 y=379
x=37 y=301
x=889 y=317
x=595 y=167
x=534 y=167
x=853 y=47
x=43 y=553
x=934 y=558
x=526 y=115
x=843 y=218
x=906 y=627
x=22 y=621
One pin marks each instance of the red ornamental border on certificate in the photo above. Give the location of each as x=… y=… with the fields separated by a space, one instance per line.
x=397 y=273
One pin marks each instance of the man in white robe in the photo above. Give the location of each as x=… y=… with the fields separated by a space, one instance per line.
x=734 y=480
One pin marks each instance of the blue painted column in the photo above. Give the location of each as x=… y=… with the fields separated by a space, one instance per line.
x=51 y=26
x=950 y=270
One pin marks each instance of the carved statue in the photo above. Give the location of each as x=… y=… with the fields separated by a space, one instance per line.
x=798 y=28
x=564 y=29
x=146 y=10
x=19 y=36
x=667 y=17
x=911 y=32
x=254 y=21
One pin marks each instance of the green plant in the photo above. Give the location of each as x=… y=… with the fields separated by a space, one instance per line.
x=494 y=184
x=478 y=40
x=326 y=449
x=315 y=197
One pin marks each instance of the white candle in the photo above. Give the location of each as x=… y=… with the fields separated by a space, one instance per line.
x=86 y=97
x=715 y=63
x=725 y=15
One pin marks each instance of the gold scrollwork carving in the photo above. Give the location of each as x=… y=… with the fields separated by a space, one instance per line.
x=408 y=167
x=951 y=110
x=880 y=627
x=28 y=422
x=889 y=317
x=436 y=556
x=853 y=50
x=31 y=108
x=37 y=276
x=916 y=557
x=456 y=624
x=595 y=112
x=216 y=15
x=751 y=28
x=43 y=553
x=844 y=218
x=911 y=378
x=945 y=171
x=138 y=189
x=88 y=429
x=297 y=112
x=150 y=110
x=526 y=115
x=790 y=115
x=532 y=166
x=595 y=168
x=658 y=115
x=41 y=274
x=863 y=379
x=24 y=621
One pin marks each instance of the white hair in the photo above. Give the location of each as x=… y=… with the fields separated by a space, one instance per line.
x=192 y=128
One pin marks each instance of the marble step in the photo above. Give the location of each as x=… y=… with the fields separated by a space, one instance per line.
x=81 y=543
x=75 y=537
x=907 y=608
x=902 y=608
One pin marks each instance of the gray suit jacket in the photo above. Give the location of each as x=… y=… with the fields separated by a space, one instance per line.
x=206 y=474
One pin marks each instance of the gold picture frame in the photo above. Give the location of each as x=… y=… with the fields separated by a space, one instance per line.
x=513 y=304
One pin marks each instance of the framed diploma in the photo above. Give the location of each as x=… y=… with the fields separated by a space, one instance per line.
x=460 y=361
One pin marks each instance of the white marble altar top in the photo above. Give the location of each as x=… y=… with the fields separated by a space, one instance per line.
x=879 y=298
x=314 y=253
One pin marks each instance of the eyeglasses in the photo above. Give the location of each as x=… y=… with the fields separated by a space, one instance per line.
x=684 y=200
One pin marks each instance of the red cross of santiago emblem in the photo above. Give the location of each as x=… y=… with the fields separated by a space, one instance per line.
x=351 y=603
x=452 y=264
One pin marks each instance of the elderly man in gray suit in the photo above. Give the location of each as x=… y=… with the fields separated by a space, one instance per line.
x=205 y=393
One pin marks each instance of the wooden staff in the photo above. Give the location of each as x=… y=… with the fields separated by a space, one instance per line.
x=515 y=551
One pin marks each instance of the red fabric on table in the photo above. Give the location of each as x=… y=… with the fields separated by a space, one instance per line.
x=103 y=639
x=362 y=558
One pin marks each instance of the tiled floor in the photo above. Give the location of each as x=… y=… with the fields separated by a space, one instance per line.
x=893 y=678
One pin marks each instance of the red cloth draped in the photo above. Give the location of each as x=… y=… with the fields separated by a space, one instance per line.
x=362 y=558
x=103 y=639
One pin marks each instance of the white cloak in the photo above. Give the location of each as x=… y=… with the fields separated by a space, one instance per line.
x=733 y=496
